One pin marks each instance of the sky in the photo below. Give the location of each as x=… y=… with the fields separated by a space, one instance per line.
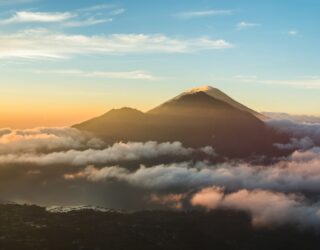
x=62 y=62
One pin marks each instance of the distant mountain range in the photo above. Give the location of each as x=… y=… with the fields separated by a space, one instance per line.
x=197 y=117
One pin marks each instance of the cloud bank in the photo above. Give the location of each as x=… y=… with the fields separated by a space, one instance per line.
x=13 y=142
x=298 y=173
x=131 y=151
x=265 y=207
x=77 y=168
x=304 y=135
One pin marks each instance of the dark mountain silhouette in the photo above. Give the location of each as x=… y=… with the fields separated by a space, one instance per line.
x=196 y=119
x=219 y=95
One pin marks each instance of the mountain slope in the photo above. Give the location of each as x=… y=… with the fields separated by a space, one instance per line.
x=219 y=95
x=195 y=118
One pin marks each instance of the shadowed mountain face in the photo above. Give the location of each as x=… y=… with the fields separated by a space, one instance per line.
x=219 y=95
x=195 y=118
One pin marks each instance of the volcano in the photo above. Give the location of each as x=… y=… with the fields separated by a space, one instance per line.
x=216 y=94
x=197 y=117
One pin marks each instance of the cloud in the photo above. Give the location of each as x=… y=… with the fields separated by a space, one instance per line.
x=118 y=11
x=204 y=13
x=87 y=22
x=118 y=152
x=210 y=198
x=300 y=172
x=306 y=82
x=157 y=177
x=168 y=200
x=265 y=208
x=245 y=25
x=41 y=43
x=137 y=74
x=34 y=17
x=97 y=7
x=78 y=169
x=44 y=140
x=304 y=135
x=72 y=19
x=293 y=32
x=294 y=118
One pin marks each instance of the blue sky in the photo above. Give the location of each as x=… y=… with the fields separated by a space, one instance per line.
x=82 y=58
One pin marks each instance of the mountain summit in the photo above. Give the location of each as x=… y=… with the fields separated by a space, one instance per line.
x=219 y=95
x=197 y=117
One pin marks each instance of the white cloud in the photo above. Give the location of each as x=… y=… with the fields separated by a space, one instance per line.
x=304 y=135
x=137 y=74
x=97 y=7
x=41 y=43
x=246 y=25
x=293 y=32
x=300 y=172
x=76 y=18
x=204 y=13
x=118 y=152
x=265 y=208
x=299 y=82
x=291 y=117
x=117 y=12
x=307 y=83
x=33 y=17
x=44 y=139
x=87 y=22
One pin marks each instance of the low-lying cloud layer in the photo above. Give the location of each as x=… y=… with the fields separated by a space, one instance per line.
x=77 y=168
x=46 y=146
x=131 y=151
x=265 y=207
x=45 y=139
x=304 y=135
x=298 y=173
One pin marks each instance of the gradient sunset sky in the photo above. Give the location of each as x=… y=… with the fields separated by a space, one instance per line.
x=63 y=62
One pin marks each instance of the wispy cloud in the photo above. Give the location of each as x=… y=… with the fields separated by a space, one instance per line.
x=245 y=77
x=41 y=43
x=119 y=11
x=293 y=32
x=97 y=7
x=10 y=2
x=33 y=17
x=245 y=25
x=87 y=22
x=203 y=13
x=76 y=18
x=299 y=82
x=137 y=74
x=304 y=83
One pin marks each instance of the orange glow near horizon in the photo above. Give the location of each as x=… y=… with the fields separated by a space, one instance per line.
x=17 y=119
x=27 y=118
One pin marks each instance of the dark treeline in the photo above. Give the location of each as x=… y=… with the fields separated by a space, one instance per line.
x=32 y=227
